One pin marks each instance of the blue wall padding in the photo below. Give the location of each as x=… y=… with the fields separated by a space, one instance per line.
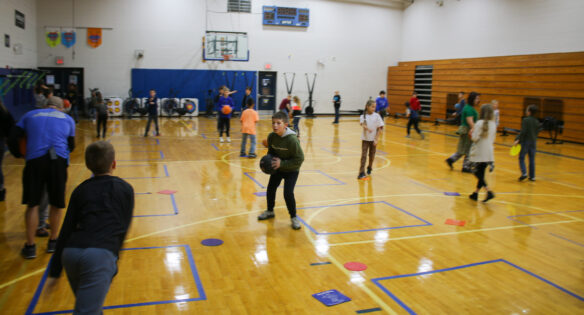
x=192 y=83
x=18 y=100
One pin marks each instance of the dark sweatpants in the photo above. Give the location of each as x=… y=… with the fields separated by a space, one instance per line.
x=290 y=179
x=367 y=146
x=101 y=125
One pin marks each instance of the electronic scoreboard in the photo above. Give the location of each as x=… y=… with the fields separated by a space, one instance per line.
x=273 y=15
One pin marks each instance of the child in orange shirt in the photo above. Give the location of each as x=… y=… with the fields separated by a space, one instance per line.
x=249 y=119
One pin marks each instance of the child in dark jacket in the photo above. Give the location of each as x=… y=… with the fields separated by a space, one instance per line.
x=288 y=157
x=528 y=138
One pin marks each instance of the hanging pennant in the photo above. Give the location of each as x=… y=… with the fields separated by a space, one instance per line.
x=94 y=37
x=52 y=36
x=68 y=37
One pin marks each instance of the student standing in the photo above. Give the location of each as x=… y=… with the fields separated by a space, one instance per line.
x=101 y=109
x=528 y=138
x=285 y=104
x=415 y=109
x=288 y=157
x=249 y=120
x=372 y=125
x=224 y=119
x=382 y=106
x=481 y=153
x=97 y=221
x=468 y=117
x=152 y=105
x=337 y=105
x=296 y=112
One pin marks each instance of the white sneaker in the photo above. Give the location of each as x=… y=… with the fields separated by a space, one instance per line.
x=228 y=139
x=221 y=139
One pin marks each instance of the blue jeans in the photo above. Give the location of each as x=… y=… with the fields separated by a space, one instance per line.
x=90 y=272
x=337 y=114
x=252 y=139
x=295 y=122
x=529 y=149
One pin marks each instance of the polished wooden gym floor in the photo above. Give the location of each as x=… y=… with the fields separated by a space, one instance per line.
x=520 y=253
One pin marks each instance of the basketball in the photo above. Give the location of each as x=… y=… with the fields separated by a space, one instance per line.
x=266 y=164
x=226 y=109
x=66 y=104
x=265 y=143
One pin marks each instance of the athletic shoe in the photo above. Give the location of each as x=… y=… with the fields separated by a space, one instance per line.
x=369 y=169
x=449 y=162
x=422 y=135
x=228 y=139
x=490 y=195
x=146 y=135
x=467 y=170
x=491 y=167
x=252 y=156
x=522 y=178
x=408 y=136
x=3 y=194
x=266 y=215
x=531 y=179
x=295 y=223
x=42 y=232
x=28 y=251
x=158 y=134
x=361 y=176
x=242 y=155
x=221 y=139
x=474 y=196
x=51 y=246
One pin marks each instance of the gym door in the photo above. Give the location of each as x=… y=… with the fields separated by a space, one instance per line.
x=60 y=78
x=267 y=91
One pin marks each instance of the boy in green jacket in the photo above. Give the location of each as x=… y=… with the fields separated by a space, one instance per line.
x=528 y=138
x=288 y=157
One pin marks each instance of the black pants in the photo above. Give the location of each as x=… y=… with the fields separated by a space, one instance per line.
x=101 y=125
x=223 y=124
x=479 y=172
x=413 y=121
x=337 y=113
x=290 y=179
x=150 y=119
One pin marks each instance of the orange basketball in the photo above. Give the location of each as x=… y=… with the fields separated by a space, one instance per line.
x=265 y=143
x=66 y=103
x=226 y=109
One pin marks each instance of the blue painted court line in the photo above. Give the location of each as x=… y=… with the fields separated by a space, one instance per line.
x=146 y=165
x=376 y=281
x=338 y=182
x=161 y=157
x=514 y=217
x=215 y=146
x=131 y=144
x=369 y=310
x=146 y=193
x=426 y=223
x=566 y=239
x=174 y=207
x=501 y=144
x=200 y=290
x=321 y=263
x=425 y=186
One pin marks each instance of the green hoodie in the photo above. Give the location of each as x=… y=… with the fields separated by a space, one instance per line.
x=287 y=148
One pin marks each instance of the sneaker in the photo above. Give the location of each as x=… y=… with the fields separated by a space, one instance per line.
x=422 y=135
x=449 y=162
x=221 y=139
x=3 y=194
x=42 y=232
x=531 y=179
x=490 y=195
x=158 y=134
x=28 y=251
x=408 y=136
x=467 y=170
x=474 y=196
x=361 y=176
x=228 y=139
x=369 y=169
x=146 y=135
x=252 y=156
x=522 y=178
x=242 y=155
x=266 y=215
x=295 y=223
x=491 y=167
x=51 y=246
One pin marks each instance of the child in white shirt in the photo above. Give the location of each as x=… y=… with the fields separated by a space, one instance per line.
x=372 y=125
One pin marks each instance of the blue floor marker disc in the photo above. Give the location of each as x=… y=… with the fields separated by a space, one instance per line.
x=212 y=242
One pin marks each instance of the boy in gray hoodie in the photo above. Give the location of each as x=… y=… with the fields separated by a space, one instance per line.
x=288 y=157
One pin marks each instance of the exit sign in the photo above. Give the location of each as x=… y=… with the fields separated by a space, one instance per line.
x=59 y=61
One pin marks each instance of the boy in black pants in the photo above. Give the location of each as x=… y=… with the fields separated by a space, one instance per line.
x=528 y=139
x=288 y=157
x=152 y=105
x=97 y=220
x=101 y=115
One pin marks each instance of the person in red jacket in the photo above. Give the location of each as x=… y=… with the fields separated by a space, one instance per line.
x=415 y=109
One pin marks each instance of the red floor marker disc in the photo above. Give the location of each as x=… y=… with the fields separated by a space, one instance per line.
x=355 y=266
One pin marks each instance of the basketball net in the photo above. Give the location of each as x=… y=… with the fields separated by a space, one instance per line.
x=226 y=57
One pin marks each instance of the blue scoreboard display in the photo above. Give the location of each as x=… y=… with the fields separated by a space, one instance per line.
x=273 y=15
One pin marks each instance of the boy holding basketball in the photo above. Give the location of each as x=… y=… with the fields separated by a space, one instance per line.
x=288 y=157
x=95 y=226
x=225 y=106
